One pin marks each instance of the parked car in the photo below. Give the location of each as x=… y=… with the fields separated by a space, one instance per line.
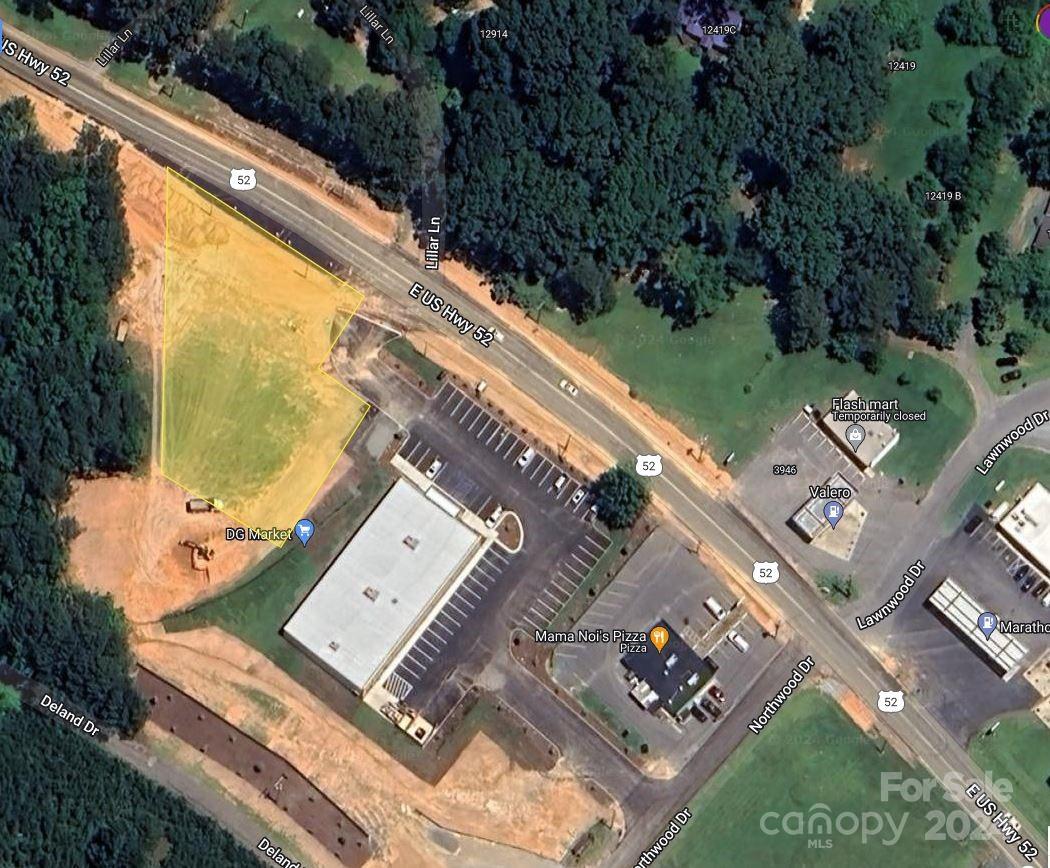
x=1015 y=374
x=559 y=483
x=1026 y=585
x=1022 y=573
x=717 y=692
x=569 y=387
x=712 y=606
x=435 y=468
x=1006 y=361
x=497 y=514
x=739 y=642
x=526 y=457
x=1046 y=599
x=699 y=714
x=498 y=335
x=711 y=708
x=579 y=495
x=1040 y=588
x=972 y=525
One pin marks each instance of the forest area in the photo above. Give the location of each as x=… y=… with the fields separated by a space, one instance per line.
x=569 y=166
x=71 y=407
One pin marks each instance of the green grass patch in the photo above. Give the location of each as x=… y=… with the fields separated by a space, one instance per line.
x=1034 y=365
x=810 y=755
x=725 y=379
x=1019 y=752
x=897 y=151
x=591 y=701
x=257 y=608
x=1018 y=467
x=63 y=31
x=964 y=272
x=349 y=69
x=429 y=372
x=836 y=588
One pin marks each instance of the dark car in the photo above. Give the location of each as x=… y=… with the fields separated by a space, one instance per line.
x=1026 y=585
x=711 y=708
x=972 y=525
x=1040 y=587
x=1010 y=375
x=1022 y=573
x=1006 y=361
x=698 y=714
x=716 y=692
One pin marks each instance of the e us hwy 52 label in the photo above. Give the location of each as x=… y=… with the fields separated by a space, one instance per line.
x=428 y=298
x=31 y=61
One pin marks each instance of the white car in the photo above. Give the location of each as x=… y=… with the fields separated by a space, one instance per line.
x=526 y=457
x=580 y=494
x=738 y=641
x=497 y=514
x=712 y=606
x=498 y=335
x=435 y=468
x=569 y=387
x=1046 y=598
x=559 y=483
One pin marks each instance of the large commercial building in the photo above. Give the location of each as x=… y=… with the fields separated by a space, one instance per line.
x=1026 y=527
x=386 y=585
x=1001 y=650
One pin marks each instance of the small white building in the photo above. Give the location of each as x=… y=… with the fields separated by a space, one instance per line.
x=879 y=437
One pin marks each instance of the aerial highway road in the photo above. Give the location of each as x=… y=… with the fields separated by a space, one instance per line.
x=390 y=271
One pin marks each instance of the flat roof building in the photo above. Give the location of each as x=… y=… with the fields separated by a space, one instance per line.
x=673 y=675
x=1001 y=650
x=384 y=586
x=810 y=520
x=879 y=436
x=1027 y=527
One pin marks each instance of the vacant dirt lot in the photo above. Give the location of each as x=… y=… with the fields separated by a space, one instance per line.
x=130 y=545
x=483 y=795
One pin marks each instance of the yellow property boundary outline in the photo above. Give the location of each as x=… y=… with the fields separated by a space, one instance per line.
x=251 y=422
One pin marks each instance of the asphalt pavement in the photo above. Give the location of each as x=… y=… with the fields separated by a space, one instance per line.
x=389 y=271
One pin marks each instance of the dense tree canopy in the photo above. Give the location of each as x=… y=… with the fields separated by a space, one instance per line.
x=620 y=496
x=64 y=801
x=69 y=402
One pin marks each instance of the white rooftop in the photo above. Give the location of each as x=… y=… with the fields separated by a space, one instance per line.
x=386 y=579
x=1002 y=650
x=1028 y=525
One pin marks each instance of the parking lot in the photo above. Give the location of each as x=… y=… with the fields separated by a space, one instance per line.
x=480 y=468
x=663 y=581
x=953 y=679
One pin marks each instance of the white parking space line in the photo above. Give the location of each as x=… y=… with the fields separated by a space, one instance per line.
x=473 y=408
x=450 y=394
x=545 y=606
x=410 y=668
x=446 y=615
x=484 y=428
x=545 y=475
x=578 y=505
x=557 y=600
x=538 y=468
x=476 y=420
x=458 y=611
x=570 y=590
x=474 y=594
x=452 y=412
x=430 y=644
x=494 y=433
x=475 y=585
x=479 y=568
x=419 y=652
x=564 y=565
x=531 y=623
x=438 y=624
x=586 y=565
x=459 y=598
x=514 y=441
x=495 y=554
